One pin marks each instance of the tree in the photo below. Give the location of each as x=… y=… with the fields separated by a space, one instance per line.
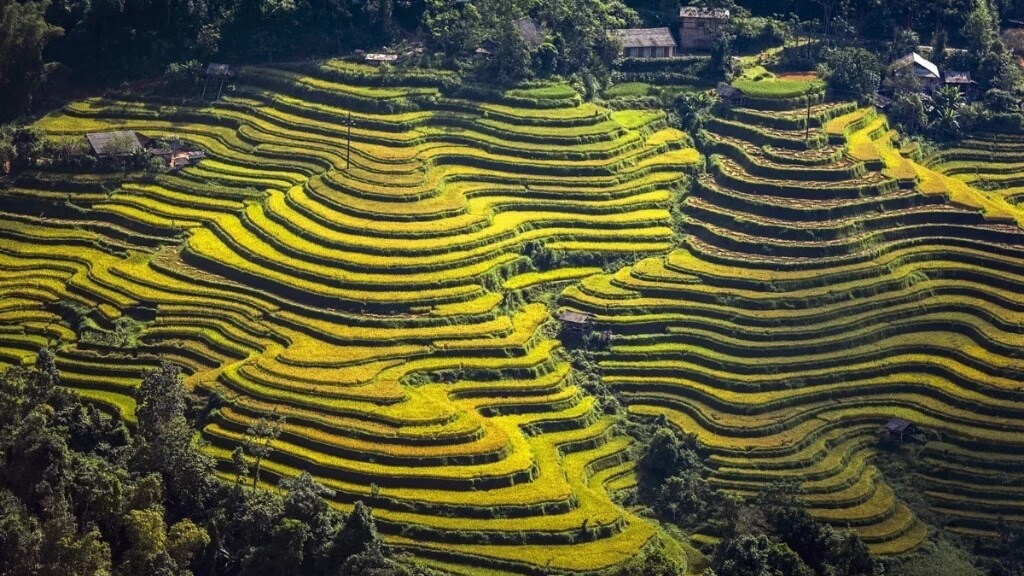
x=358 y=534
x=165 y=439
x=452 y=26
x=24 y=33
x=379 y=13
x=946 y=105
x=756 y=556
x=259 y=441
x=20 y=537
x=939 y=46
x=855 y=71
x=721 y=54
x=980 y=29
x=510 y=60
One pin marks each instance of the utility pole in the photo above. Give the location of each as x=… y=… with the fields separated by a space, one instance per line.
x=807 y=122
x=348 y=147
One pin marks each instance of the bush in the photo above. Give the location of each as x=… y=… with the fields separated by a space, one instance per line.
x=182 y=78
x=757 y=33
x=998 y=100
x=854 y=71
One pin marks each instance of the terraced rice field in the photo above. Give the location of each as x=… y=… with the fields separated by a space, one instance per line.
x=374 y=305
x=823 y=286
x=991 y=161
x=826 y=284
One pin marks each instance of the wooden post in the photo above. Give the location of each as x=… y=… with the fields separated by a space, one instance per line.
x=221 y=89
x=205 y=84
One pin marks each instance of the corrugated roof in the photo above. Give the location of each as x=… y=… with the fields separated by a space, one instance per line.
x=726 y=91
x=698 y=12
x=215 y=69
x=897 y=425
x=381 y=57
x=645 y=37
x=922 y=66
x=958 y=77
x=574 y=317
x=119 y=142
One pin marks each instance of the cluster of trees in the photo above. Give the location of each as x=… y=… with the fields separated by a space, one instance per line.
x=82 y=495
x=773 y=534
x=573 y=41
x=49 y=44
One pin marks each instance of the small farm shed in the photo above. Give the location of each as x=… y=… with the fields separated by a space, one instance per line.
x=729 y=95
x=219 y=70
x=181 y=159
x=962 y=80
x=882 y=102
x=646 y=42
x=899 y=430
x=926 y=71
x=119 y=143
x=376 y=59
x=578 y=322
x=698 y=27
x=215 y=70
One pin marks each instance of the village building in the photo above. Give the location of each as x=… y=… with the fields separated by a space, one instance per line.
x=646 y=42
x=963 y=81
x=217 y=71
x=898 y=431
x=698 y=27
x=376 y=59
x=576 y=322
x=729 y=95
x=926 y=72
x=116 y=144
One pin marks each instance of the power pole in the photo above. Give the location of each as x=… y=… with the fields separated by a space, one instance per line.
x=807 y=122
x=348 y=147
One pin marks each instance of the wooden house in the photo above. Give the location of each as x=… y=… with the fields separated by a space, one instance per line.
x=115 y=144
x=898 y=431
x=576 y=322
x=698 y=27
x=646 y=42
x=729 y=95
x=926 y=72
x=962 y=80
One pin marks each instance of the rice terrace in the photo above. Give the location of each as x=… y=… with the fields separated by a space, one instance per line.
x=705 y=314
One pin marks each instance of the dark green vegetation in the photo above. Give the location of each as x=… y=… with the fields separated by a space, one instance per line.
x=82 y=495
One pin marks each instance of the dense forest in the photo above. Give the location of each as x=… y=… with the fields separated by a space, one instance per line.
x=51 y=48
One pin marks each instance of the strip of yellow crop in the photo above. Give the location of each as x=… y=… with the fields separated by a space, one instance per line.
x=531 y=279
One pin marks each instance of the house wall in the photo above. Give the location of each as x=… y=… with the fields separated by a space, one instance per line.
x=698 y=33
x=656 y=52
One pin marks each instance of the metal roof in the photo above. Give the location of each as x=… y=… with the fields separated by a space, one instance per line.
x=698 y=12
x=214 y=69
x=381 y=57
x=922 y=66
x=897 y=425
x=645 y=37
x=574 y=317
x=958 y=77
x=727 y=91
x=110 y=143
